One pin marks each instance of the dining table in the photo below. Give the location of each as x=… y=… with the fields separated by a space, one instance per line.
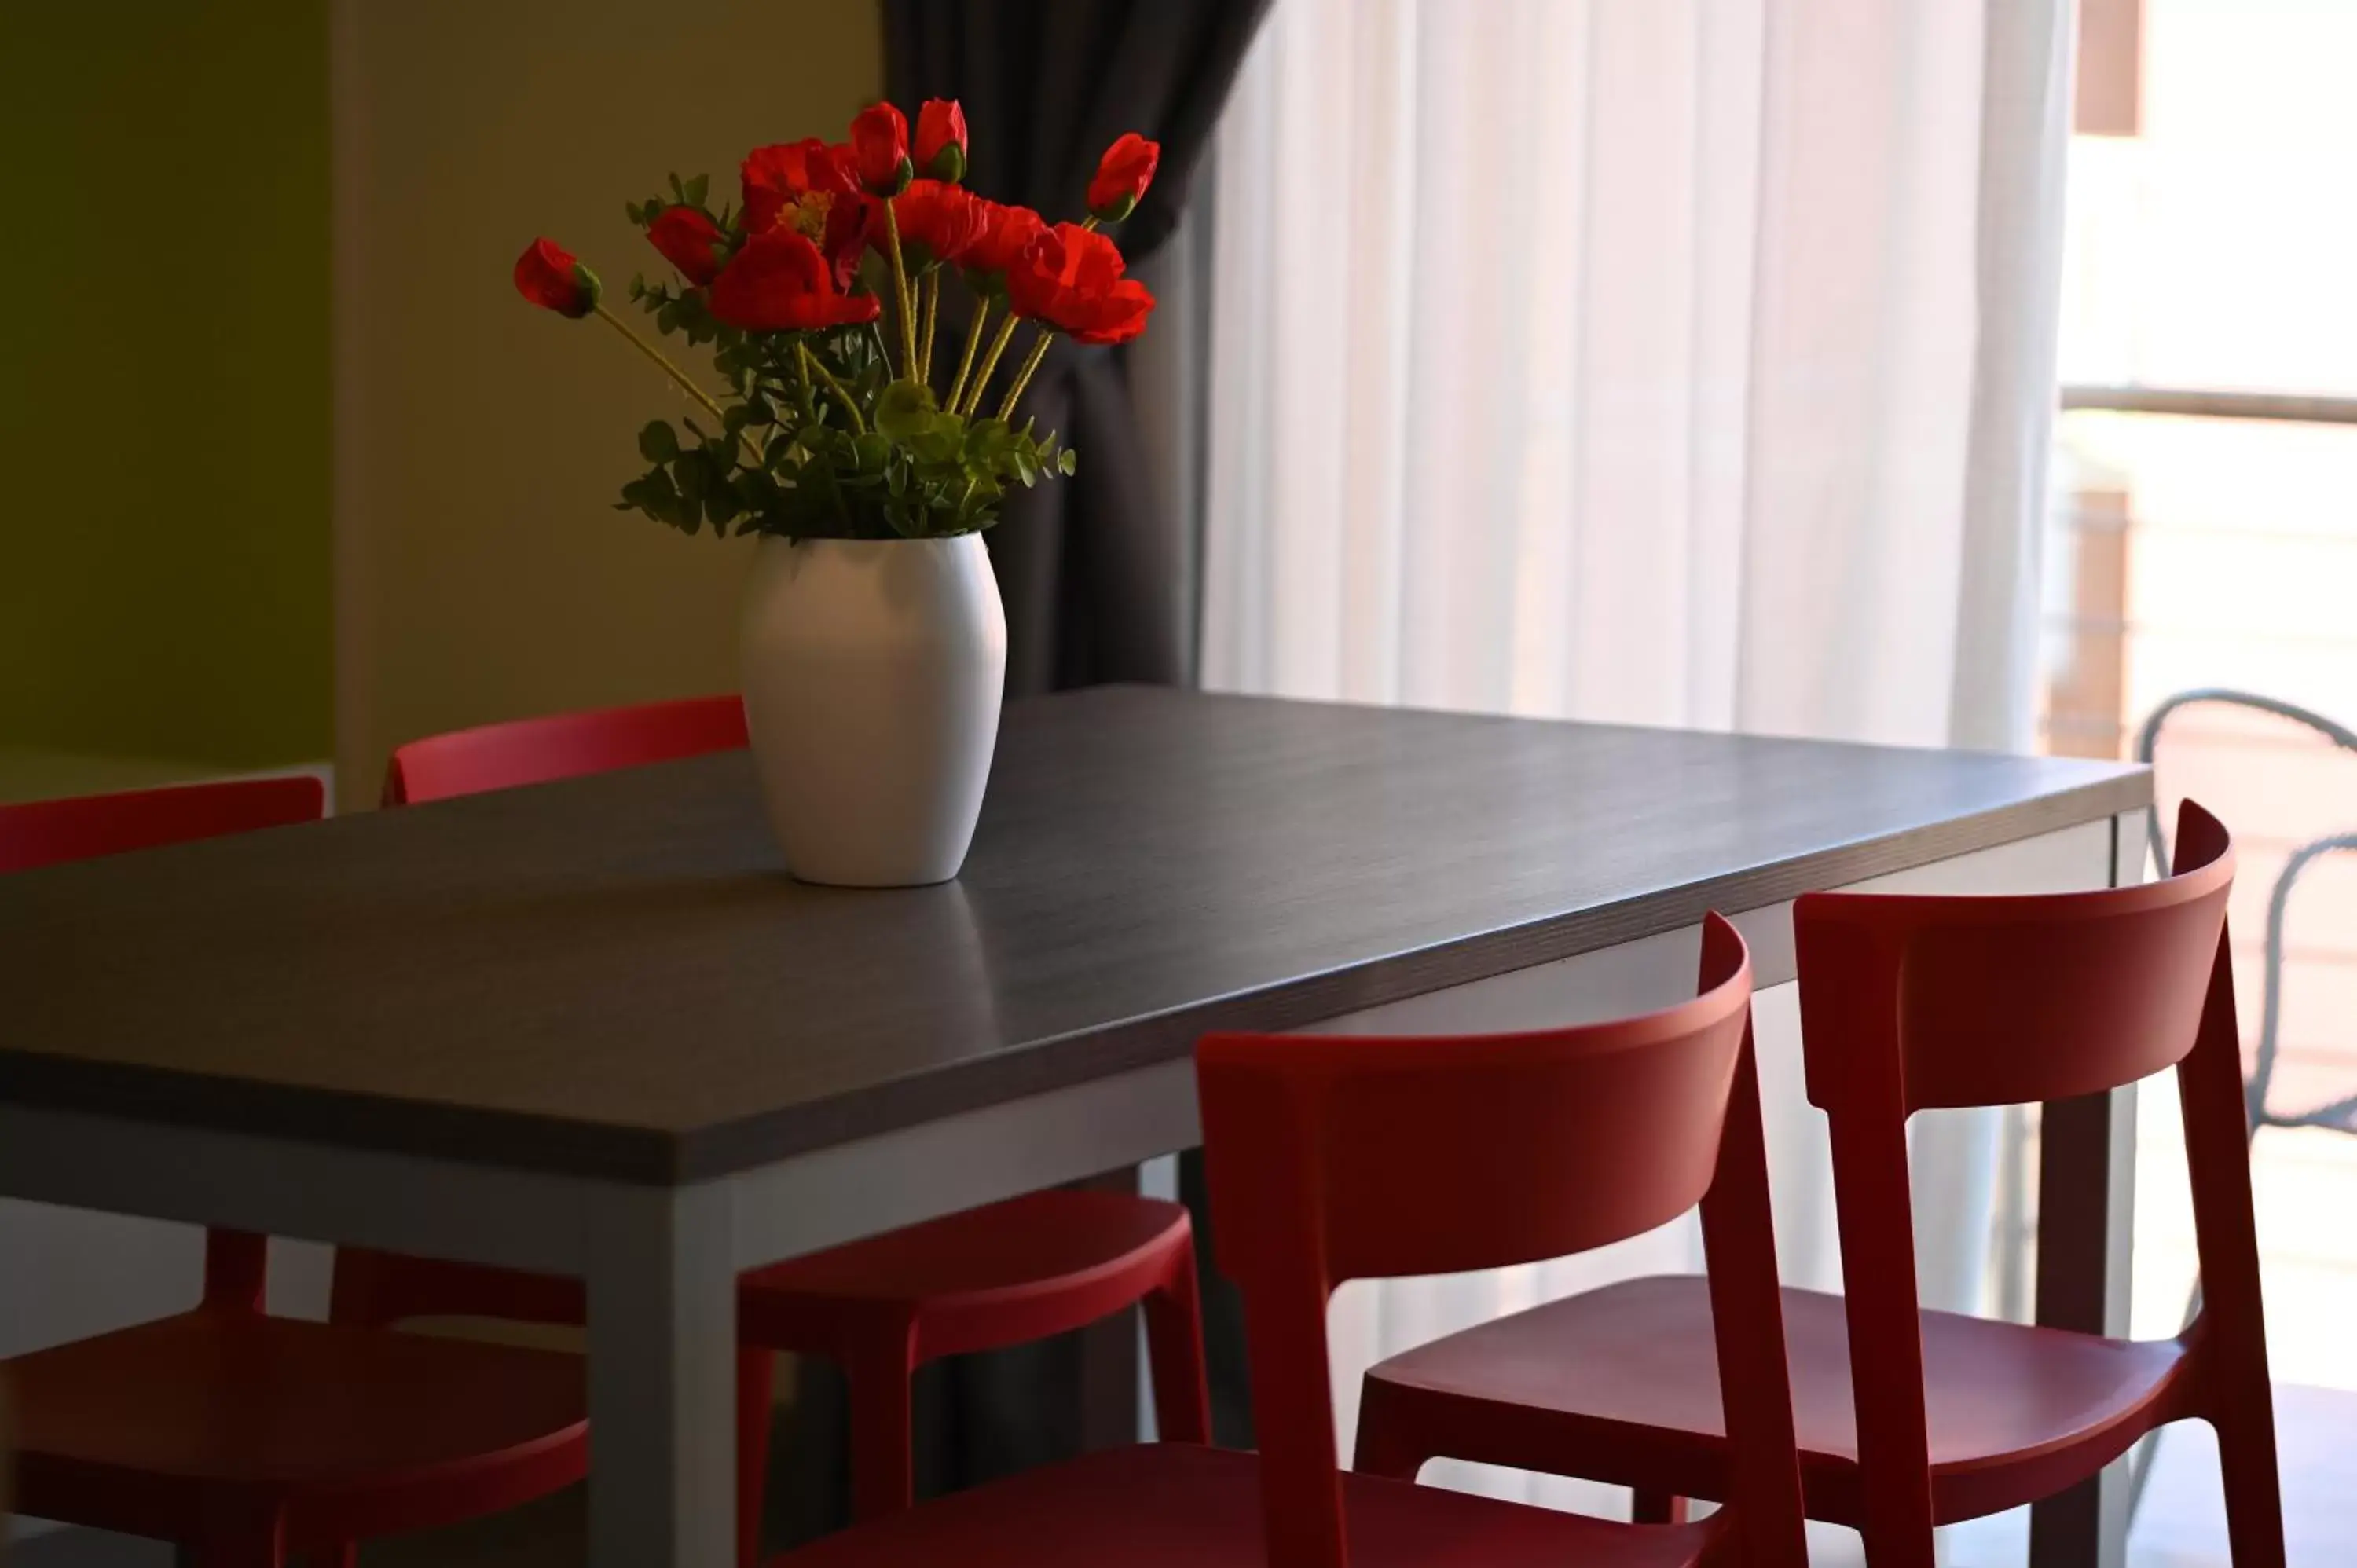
x=594 y=1029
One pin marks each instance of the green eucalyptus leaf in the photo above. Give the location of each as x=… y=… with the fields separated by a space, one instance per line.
x=657 y=442
x=1068 y=461
x=904 y=409
x=754 y=488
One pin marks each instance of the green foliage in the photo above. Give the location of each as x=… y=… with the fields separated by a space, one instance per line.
x=789 y=457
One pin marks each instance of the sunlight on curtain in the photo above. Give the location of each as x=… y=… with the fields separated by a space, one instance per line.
x=1620 y=359
x=1670 y=361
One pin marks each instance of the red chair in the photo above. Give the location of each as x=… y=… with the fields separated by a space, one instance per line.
x=1336 y=1157
x=248 y=1438
x=1910 y=1419
x=561 y=745
x=999 y=1275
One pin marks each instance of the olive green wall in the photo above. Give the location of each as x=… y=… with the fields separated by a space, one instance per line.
x=164 y=380
x=195 y=564
x=482 y=571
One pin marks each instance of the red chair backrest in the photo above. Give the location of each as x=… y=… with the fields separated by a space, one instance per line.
x=50 y=832
x=2002 y=1001
x=561 y=745
x=1909 y=1004
x=1339 y=1157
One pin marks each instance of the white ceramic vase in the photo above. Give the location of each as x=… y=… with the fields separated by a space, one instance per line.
x=872 y=673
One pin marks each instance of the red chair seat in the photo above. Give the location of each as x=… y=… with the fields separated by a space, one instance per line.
x=1023 y=1269
x=352 y=1432
x=1179 y=1506
x=1622 y=1384
x=1006 y=1273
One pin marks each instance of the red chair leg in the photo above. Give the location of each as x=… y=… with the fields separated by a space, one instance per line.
x=754 y=1415
x=883 y=1465
x=2247 y=1464
x=1656 y=1508
x=1173 y=1343
x=1386 y=1446
x=2232 y=1331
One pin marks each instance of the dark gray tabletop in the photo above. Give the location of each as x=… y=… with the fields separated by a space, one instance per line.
x=613 y=976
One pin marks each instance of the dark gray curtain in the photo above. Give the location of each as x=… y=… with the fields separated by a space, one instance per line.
x=1096 y=573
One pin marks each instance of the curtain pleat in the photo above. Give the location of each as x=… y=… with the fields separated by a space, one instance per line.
x=1663 y=361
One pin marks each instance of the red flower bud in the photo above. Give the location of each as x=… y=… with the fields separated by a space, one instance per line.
x=1007 y=231
x=1071 y=278
x=1122 y=175
x=778 y=282
x=690 y=241
x=549 y=277
x=879 y=145
x=941 y=140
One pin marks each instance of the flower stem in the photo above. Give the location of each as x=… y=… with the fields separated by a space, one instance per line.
x=810 y=365
x=1023 y=377
x=1090 y=222
x=900 y=292
x=806 y=397
x=651 y=352
x=989 y=364
x=679 y=376
x=965 y=361
x=932 y=289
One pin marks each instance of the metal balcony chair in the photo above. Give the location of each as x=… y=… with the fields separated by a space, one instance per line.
x=2338 y=1115
x=2341 y=1115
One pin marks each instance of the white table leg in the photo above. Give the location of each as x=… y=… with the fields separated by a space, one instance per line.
x=663 y=1327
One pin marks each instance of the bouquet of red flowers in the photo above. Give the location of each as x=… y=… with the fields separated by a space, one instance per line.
x=819 y=293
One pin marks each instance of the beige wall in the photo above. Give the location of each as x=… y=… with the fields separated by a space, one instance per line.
x=482 y=573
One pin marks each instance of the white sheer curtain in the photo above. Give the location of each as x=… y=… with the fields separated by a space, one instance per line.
x=1676 y=361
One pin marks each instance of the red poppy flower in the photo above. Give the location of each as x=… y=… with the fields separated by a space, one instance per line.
x=1071 y=278
x=812 y=188
x=879 y=146
x=780 y=283
x=1006 y=232
x=549 y=277
x=939 y=223
x=1122 y=175
x=941 y=140
x=690 y=241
